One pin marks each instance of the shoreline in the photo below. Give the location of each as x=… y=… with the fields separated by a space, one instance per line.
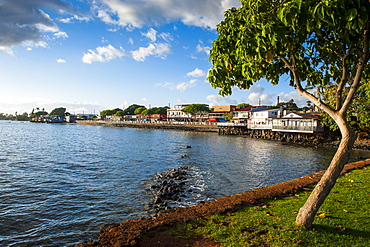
x=128 y=233
x=165 y=126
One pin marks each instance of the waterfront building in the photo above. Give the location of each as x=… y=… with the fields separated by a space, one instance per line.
x=219 y=112
x=242 y=115
x=263 y=119
x=154 y=118
x=298 y=122
x=177 y=115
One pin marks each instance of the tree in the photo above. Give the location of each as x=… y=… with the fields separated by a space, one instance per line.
x=155 y=110
x=242 y=105
x=131 y=109
x=110 y=112
x=119 y=113
x=59 y=112
x=23 y=117
x=41 y=113
x=314 y=43
x=107 y=113
x=139 y=110
x=290 y=105
x=148 y=112
x=358 y=114
x=194 y=109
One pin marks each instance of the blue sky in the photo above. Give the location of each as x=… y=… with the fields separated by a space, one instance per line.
x=91 y=55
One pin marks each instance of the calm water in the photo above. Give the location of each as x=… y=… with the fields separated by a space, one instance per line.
x=60 y=183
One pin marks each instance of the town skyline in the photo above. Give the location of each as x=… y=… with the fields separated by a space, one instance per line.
x=93 y=55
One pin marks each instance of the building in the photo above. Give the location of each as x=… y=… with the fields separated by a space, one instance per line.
x=298 y=122
x=158 y=117
x=116 y=118
x=176 y=115
x=242 y=115
x=219 y=113
x=263 y=119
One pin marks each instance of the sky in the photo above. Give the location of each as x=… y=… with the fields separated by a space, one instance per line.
x=92 y=55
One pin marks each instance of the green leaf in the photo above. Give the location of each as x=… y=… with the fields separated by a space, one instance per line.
x=351 y=14
x=281 y=15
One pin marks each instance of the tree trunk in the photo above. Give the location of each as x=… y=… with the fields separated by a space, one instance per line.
x=308 y=212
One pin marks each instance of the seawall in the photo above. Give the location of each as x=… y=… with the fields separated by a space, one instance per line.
x=166 y=126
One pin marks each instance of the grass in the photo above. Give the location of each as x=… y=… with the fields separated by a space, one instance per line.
x=343 y=220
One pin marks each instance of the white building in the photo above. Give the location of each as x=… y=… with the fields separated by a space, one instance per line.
x=263 y=119
x=176 y=115
x=298 y=122
x=242 y=115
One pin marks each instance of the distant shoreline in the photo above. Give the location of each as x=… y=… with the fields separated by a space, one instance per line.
x=167 y=126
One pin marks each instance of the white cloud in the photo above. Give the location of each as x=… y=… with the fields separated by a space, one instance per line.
x=7 y=50
x=258 y=96
x=217 y=99
x=125 y=104
x=61 y=60
x=103 y=54
x=24 y=21
x=137 y=13
x=74 y=17
x=159 y=50
x=183 y=86
x=298 y=99
x=61 y=35
x=144 y=99
x=26 y=105
x=205 y=49
x=197 y=73
x=166 y=37
x=151 y=34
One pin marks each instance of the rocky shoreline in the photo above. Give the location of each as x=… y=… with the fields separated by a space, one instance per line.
x=128 y=233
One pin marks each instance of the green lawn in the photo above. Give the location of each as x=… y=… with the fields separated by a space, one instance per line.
x=343 y=220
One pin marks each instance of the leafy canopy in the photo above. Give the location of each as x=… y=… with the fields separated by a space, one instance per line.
x=155 y=110
x=242 y=105
x=110 y=112
x=131 y=109
x=314 y=42
x=195 y=108
x=61 y=111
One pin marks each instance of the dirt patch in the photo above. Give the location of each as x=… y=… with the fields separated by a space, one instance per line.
x=147 y=231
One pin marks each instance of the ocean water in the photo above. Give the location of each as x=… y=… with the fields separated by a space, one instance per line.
x=60 y=183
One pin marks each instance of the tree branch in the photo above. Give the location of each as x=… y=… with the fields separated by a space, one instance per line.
x=344 y=79
x=304 y=92
x=360 y=69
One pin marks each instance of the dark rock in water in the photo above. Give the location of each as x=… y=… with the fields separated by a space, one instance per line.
x=167 y=188
x=188 y=146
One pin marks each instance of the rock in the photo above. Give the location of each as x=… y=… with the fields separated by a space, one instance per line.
x=167 y=188
x=107 y=227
